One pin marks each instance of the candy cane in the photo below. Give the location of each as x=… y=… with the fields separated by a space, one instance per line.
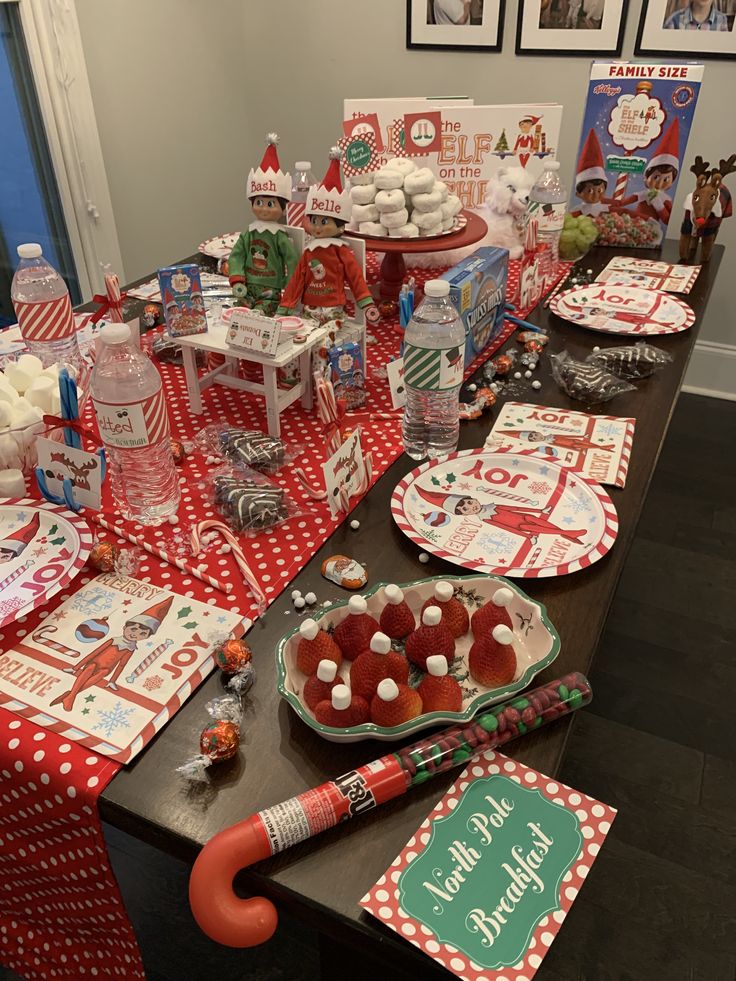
x=248 y=575
x=114 y=296
x=148 y=660
x=40 y=637
x=329 y=414
x=18 y=572
x=316 y=493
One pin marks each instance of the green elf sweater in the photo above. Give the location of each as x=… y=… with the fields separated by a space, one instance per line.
x=263 y=257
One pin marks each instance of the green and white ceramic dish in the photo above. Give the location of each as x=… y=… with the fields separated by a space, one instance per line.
x=536 y=643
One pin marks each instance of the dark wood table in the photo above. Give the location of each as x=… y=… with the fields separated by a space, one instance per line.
x=323 y=879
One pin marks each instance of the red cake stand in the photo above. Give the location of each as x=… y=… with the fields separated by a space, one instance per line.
x=393 y=267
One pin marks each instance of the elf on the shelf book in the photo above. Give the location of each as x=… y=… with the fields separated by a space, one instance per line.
x=633 y=148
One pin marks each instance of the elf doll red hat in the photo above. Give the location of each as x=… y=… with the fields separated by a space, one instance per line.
x=17 y=541
x=153 y=617
x=441 y=499
x=269 y=179
x=329 y=198
x=590 y=164
x=667 y=153
x=530 y=119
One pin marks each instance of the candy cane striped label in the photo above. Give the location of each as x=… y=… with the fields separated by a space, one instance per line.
x=296 y=213
x=49 y=321
x=433 y=369
x=131 y=424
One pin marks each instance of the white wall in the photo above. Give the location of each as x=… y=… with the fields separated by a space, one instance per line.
x=185 y=91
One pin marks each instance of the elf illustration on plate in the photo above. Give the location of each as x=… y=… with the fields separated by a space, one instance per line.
x=13 y=544
x=527 y=522
x=552 y=442
x=104 y=665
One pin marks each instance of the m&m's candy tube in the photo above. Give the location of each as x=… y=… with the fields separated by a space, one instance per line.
x=235 y=922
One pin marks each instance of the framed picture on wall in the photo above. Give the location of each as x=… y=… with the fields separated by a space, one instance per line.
x=457 y=25
x=571 y=27
x=689 y=28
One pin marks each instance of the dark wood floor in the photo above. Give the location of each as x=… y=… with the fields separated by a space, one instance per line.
x=658 y=743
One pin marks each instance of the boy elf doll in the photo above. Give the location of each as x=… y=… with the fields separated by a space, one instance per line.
x=263 y=258
x=591 y=180
x=327 y=263
x=660 y=175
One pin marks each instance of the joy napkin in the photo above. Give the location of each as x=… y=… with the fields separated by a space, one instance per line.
x=598 y=446
x=487 y=880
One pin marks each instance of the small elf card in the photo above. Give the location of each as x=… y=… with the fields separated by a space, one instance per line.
x=181 y=295
x=487 y=880
x=598 y=446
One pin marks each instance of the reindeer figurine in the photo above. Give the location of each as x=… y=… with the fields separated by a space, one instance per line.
x=705 y=208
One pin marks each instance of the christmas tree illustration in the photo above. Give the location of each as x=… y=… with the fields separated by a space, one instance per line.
x=503 y=144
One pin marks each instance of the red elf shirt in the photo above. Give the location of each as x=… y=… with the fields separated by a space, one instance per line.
x=320 y=276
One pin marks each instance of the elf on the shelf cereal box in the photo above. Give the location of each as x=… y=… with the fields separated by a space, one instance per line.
x=633 y=148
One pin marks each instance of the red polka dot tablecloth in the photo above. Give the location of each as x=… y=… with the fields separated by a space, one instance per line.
x=61 y=913
x=60 y=908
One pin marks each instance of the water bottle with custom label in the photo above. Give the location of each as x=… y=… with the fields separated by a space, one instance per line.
x=133 y=421
x=434 y=359
x=44 y=309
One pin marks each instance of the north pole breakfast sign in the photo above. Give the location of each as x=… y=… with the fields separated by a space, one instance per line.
x=487 y=880
x=111 y=665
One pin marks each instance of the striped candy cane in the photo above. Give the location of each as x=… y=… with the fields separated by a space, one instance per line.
x=114 y=297
x=148 y=660
x=211 y=524
x=41 y=637
x=18 y=572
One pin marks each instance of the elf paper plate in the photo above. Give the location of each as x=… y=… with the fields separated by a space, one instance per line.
x=505 y=512
x=219 y=247
x=536 y=644
x=42 y=548
x=623 y=310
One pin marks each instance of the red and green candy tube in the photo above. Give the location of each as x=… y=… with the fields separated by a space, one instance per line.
x=235 y=922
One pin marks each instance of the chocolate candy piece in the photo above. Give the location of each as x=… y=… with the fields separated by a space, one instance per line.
x=249 y=506
x=256 y=449
x=632 y=361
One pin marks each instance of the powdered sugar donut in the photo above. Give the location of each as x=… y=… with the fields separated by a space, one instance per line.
x=427 y=219
x=363 y=194
x=365 y=212
x=457 y=205
x=374 y=228
x=448 y=224
x=388 y=178
x=442 y=188
x=431 y=230
x=361 y=179
x=392 y=200
x=403 y=165
x=419 y=181
x=409 y=230
x=395 y=219
x=429 y=201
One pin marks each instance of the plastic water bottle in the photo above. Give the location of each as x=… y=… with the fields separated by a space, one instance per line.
x=548 y=204
x=44 y=309
x=131 y=415
x=302 y=180
x=434 y=358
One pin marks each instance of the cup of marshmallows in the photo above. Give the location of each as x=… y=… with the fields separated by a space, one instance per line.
x=402 y=200
x=28 y=391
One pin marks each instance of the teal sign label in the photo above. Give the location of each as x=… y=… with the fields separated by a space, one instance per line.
x=358 y=153
x=492 y=870
x=626 y=165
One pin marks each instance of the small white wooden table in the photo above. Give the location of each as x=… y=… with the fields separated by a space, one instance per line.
x=277 y=399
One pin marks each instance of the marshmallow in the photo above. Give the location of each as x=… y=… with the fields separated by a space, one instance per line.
x=427 y=219
x=7 y=392
x=374 y=228
x=388 y=178
x=392 y=200
x=442 y=188
x=12 y=483
x=41 y=392
x=9 y=456
x=56 y=402
x=18 y=377
x=403 y=165
x=360 y=180
x=419 y=182
x=52 y=371
x=363 y=194
x=6 y=414
x=409 y=230
x=30 y=364
x=365 y=212
x=394 y=219
x=429 y=201
x=457 y=205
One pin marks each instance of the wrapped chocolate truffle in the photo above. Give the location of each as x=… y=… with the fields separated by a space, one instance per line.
x=218 y=741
